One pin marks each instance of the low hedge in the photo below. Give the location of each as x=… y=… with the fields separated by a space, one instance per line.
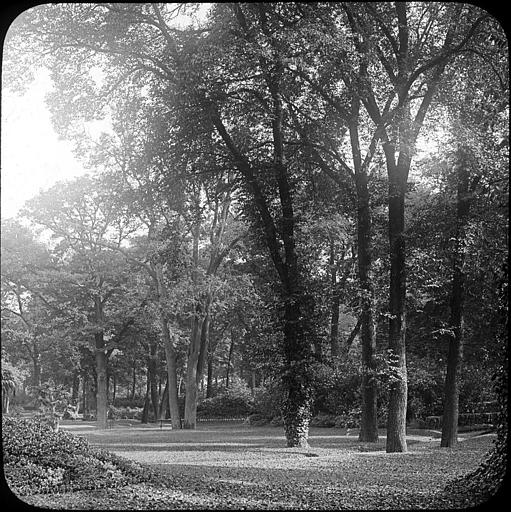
x=40 y=460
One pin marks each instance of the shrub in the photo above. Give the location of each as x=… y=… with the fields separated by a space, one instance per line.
x=268 y=399
x=234 y=401
x=336 y=391
x=39 y=460
x=257 y=420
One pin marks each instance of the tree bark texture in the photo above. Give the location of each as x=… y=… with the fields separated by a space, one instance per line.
x=369 y=414
x=456 y=321
x=170 y=352
x=229 y=359
x=101 y=368
x=152 y=371
x=396 y=421
x=281 y=246
x=334 y=306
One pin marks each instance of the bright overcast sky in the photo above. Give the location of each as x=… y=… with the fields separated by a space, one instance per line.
x=33 y=158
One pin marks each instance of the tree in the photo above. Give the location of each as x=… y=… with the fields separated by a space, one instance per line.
x=413 y=68
x=80 y=220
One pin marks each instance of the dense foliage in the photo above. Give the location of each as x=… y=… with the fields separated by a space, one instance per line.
x=37 y=459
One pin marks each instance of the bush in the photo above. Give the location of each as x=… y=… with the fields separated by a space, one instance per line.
x=124 y=413
x=268 y=400
x=257 y=420
x=234 y=401
x=336 y=391
x=39 y=460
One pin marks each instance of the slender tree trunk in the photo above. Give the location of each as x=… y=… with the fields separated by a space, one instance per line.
x=101 y=392
x=170 y=355
x=369 y=415
x=164 y=404
x=85 y=383
x=197 y=349
x=229 y=360
x=190 y=418
x=170 y=352
x=396 y=421
x=147 y=399
x=76 y=386
x=101 y=369
x=152 y=370
x=114 y=391
x=334 y=306
x=209 y=385
x=133 y=380
x=456 y=321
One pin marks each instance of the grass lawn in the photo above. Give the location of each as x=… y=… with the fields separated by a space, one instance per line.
x=241 y=467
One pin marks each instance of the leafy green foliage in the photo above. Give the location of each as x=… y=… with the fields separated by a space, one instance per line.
x=39 y=460
x=233 y=401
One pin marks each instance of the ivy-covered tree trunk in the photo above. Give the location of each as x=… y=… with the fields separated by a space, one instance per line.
x=456 y=321
x=297 y=374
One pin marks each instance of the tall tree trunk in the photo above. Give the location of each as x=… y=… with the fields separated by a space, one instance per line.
x=209 y=385
x=297 y=347
x=170 y=351
x=101 y=392
x=335 y=303
x=152 y=370
x=190 y=418
x=101 y=368
x=133 y=380
x=76 y=386
x=85 y=384
x=229 y=359
x=197 y=349
x=147 y=399
x=456 y=321
x=396 y=421
x=369 y=415
x=164 y=404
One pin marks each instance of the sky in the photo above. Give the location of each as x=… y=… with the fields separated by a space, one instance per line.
x=33 y=157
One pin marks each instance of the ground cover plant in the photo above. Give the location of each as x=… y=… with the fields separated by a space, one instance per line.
x=220 y=466
x=39 y=460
